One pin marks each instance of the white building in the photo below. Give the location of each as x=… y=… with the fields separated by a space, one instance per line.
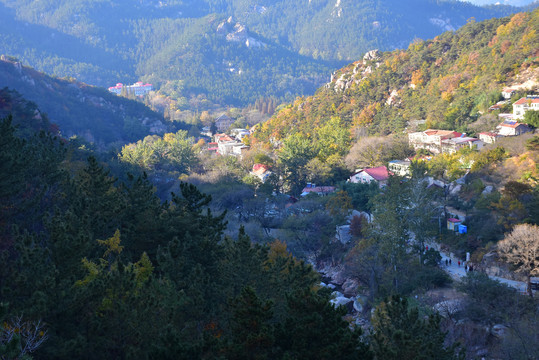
x=508 y=92
x=530 y=102
x=378 y=174
x=400 y=167
x=451 y=146
x=431 y=139
x=137 y=89
x=512 y=128
x=489 y=137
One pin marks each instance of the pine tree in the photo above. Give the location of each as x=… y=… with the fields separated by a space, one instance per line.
x=142 y=218
x=251 y=331
x=314 y=329
x=400 y=334
x=98 y=200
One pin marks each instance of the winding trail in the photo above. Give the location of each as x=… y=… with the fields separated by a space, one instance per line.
x=457 y=272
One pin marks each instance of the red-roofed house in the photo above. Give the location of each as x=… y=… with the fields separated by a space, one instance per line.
x=261 y=171
x=222 y=137
x=378 y=174
x=116 y=89
x=453 y=224
x=489 y=137
x=431 y=139
x=508 y=92
x=524 y=104
x=212 y=147
x=512 y=128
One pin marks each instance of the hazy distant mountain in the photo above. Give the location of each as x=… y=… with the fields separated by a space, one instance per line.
x=234 y=51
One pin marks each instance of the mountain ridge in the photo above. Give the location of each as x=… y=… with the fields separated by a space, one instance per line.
x=160 y=41
x=449 y=81
x=81 y=110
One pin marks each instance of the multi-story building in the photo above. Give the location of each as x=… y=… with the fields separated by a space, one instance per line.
x=137 y=89
x=431 y=139
x=530 y=102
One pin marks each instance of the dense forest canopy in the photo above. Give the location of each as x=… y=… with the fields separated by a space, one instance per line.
x=95 y=268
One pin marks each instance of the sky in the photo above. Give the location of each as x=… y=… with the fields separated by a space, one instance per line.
x=505 y=2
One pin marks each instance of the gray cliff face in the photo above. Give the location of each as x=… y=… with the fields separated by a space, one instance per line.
x=238 y=33
x=360 y=71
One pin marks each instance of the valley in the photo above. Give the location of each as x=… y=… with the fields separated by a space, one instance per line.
x=245 y=200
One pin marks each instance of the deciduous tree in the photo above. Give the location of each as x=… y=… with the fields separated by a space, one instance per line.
x=521 y=248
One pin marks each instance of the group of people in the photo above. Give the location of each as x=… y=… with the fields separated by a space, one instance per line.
x=466 y=266
x=448 y=262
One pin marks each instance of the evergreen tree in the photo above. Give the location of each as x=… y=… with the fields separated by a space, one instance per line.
x=314 y=329
x=99 y=202
x=400 y=333
x=251 y=330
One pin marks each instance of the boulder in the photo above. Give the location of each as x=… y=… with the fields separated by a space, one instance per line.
x=372 y=55
x=349 y=287
x=341 y=300
x=456 y=190
x=333 y=273
x=499 y=330
x=343 y=234
x=359 y=302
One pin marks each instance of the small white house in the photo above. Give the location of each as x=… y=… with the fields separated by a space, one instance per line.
x=508 y=92
x=489 y=137
x=451 y=146
x=512 y=128
x=400 y=167
x=378 y=174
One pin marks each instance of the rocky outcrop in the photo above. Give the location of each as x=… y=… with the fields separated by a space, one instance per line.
x=237 y=33
x=360 y=71
x=444 y=24
x=373 y=55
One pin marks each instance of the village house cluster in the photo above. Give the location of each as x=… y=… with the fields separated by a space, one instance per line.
x=227 y=144
x=448 y=141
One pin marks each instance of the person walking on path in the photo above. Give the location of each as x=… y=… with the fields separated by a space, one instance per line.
x=449 y=261
x=465 y=267
x=459 y=263
x=446 y=262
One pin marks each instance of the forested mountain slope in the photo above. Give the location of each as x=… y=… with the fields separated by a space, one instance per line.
x=270 y=48
x=95 y=268
x=89 y=112
x=448 y=81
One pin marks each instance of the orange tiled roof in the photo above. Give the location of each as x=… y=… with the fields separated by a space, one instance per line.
x=524 y=100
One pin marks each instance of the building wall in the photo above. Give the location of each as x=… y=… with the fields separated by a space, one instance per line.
x=361 y=177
